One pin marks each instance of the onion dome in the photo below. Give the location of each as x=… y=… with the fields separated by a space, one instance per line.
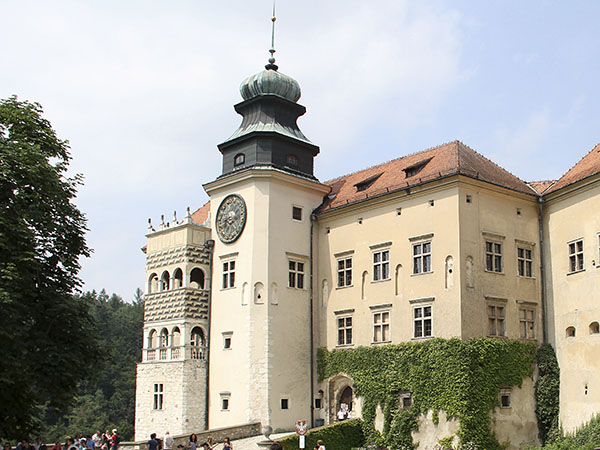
x=270 y=81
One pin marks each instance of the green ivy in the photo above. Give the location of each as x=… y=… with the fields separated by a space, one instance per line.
x=462 y=378
x=547 y=389
x=341 y=436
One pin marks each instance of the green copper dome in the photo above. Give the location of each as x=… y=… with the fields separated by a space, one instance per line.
x=269 y=81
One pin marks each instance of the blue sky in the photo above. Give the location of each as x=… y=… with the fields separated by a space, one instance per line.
x=144 y=91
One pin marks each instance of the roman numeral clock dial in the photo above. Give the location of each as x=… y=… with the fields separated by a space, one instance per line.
x=231 y=218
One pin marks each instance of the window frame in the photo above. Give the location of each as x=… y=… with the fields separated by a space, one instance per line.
x=494 y=256
x=227 y=340
x=496 y=319
x=576 y=256
x=422 y=320
x=344 y=328
x=524 y=322
x=158 y=397
x=421 y=257
x=296 y=208
x=524 y=262
x=345 y=271
x=228 y=271
x=296 y=276
x=239 y=160
x=381 y=325
x=225 y=401
x=381 y=267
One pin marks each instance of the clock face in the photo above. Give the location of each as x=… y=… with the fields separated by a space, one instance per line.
x=231 y=218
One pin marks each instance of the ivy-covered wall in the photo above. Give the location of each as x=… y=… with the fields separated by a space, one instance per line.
x=462 y=378
x=547 y=393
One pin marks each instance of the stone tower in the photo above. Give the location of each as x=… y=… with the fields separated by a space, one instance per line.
x=171 y=379
x=261 y=205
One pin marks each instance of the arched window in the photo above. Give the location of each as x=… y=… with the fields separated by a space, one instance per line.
x=164 y=338
x=164 y=281
x=594 y=328
x=239 y=159
x=197 y=343
x=177 y=279
x=176 y=337
x=152 y=339
x=571 y=332
x=197 y=278
x=346 y=400
x=153 y=284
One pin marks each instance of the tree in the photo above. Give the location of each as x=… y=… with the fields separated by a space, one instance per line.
x=45 y=333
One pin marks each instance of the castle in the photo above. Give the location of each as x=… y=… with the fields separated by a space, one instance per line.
x=439 y=243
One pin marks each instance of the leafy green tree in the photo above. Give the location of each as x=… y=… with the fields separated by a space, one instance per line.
x=45 y=333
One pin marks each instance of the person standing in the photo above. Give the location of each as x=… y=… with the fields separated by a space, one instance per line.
x=193 y=444
x=153 y=443
x=321 y=444
x=114 y=440
x=227 y=445
x=168 y=441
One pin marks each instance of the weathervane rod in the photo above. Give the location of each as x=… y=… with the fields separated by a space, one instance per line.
x=271 y=65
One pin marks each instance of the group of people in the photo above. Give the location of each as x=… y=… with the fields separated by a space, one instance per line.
x=98 y=441
x=168 y=442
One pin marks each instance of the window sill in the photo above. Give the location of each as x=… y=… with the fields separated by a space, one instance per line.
x=228 y=288
x=525 y=277
x=345 y=287
x=380 y=281
x=576 y=271
x=344 y=345
x=422 y=338
x=495 y=336
x=381 y=342
x=296 y=288
x=420 y=273
x=494 y=272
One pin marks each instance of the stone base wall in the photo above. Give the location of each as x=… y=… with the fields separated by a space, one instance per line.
x=184 y=398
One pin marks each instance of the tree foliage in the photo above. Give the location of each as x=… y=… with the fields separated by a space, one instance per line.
x=45 y=331
x=547 y=392
x=107 y=399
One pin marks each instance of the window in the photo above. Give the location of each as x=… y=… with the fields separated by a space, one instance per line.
x=381 y=326
x=381 y=265
x=158 y=396
x=525 y=262
x=505 y=398
x=228 y=274
x=296 y=213
x=496 y=316
x=493 y=256
x=527 y=323
x=227 y=339
x=570 y=332
x=414 y=169
x=296 y=275
x=284 y=403
x=422 y=321
x=367 y=182
x=405 y=399
x=344 y=327
x=344 y=272
x=225 y=400
x=594 y=328
x=422 y=257
x=292 y=160
x=239 y=159
x=318 y=403
x=576 y=256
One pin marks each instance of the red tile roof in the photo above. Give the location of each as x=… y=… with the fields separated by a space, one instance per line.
x=587 y=166
x=449 y=159
x=541 y=186
x=201 y=214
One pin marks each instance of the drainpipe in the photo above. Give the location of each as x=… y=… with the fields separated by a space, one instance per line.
x=542 y=277
x=209 y=245
x=313 y=217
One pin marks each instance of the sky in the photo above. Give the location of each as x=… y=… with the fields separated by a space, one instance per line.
x=144 y=91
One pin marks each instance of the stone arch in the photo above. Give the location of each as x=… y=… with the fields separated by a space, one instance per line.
x=197 y=278
x=177 y=278
x=152 y=283
x=449 y=272
x=570 y=332
x=197 y=343
x=165 y=281
x=176 y=337
x=164 y=337
x=594 y=328
x=259 y=294
x=152 y=339
x=363 y=285
x=341 y=390
x=470 y=280
x=397 y=277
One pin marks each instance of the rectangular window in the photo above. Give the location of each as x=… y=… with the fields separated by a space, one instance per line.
x=422 y=257
x=381 y=265
x=527 y=323
x=284 y=403
x=525 y=262
x=228 y=274
x=576 y=256
x=344 y=272
x=496 y=326
x=227 y=339
x=224 y=403
x=344 y=327
x=296 y=213
x=296 y=274
x=422 y=321
x=158 y=396
x=493 y=256
x=381 y=326
x=318 y=403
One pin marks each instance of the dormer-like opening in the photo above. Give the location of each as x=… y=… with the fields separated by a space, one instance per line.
x=239 y=159
x=292 y=161
x=414 y=169
x=367 y=182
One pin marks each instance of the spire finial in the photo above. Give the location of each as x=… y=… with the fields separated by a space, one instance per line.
x=271 y=65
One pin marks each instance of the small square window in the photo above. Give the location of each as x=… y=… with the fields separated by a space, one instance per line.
x=469 y=199
x=239 y=159
x=505 y=400
x=227 y=340
x=296 y=213
x=284 y=403
x=225 y=404
x=318 y=403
